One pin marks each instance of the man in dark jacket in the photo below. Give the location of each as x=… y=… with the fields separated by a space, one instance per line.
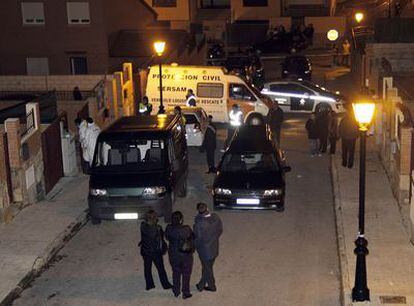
x=275 y=120
x=209 y=144
x=333 y=132
x=348 y=132
x=207 y=230
x=322 y=123
x=313 y=135
x=181 y=260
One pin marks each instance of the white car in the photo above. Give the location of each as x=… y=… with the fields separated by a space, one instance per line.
x=303 y=96
x=196 y=122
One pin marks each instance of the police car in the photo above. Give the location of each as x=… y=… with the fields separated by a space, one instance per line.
x=303 y=96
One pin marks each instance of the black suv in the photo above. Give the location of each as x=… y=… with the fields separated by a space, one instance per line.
x=140 y=163
x=251 y=174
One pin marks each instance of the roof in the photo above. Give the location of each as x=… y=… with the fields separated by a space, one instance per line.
x=139 y=43
x=251 y=138
x=144 y=125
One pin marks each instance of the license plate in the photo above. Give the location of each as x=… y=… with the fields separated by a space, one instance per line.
x=126 y=216
x=248 y=201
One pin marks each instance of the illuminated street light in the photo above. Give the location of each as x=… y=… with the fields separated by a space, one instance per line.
x=332 y=35
x=159 y=47
x=359 y=16
x=364 y=112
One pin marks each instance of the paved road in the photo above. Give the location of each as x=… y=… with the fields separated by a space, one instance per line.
x=267 y=258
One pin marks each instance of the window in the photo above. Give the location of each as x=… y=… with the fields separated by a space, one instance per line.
x=210 y=90
x=290 y=88
x=37 y=66
x=240 y=92
x=250 y=162
x=254 y=2
x=33 y=13
x=78 y=12
x=164 y=3
x=78 y=65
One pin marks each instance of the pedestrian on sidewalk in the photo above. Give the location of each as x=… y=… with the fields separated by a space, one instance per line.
x=91 y=135
x=348 y=132
x=180 y=251
x=275 y=120
x=322 y=123
x=153 y=248
x=210 y=144
x=313 y=135
x=333 y=132
x=207 y=230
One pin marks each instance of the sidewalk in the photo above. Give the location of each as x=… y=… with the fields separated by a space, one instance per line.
x=38 y=232
x=390 y=263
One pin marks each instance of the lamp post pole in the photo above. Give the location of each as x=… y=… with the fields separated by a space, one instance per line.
x=360 y=292
x=161 y=110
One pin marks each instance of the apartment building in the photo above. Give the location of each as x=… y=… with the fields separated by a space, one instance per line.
x=40 y=37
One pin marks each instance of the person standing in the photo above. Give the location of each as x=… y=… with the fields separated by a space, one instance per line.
x=308 y=32
x=333 y=132
x=322 y=123
x=346 y=53
x=348 y=132
x=210 y=144
x=275 y=120
x=153 y=247
x=82 y=126
x=235 y=120
x=207 y=231
x=180 y=252
x=77 y=95
x=313 y=136
x=190 y=98
x=91 y=135
x=144 y=107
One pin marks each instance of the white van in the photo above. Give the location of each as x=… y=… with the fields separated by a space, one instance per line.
x=216 y=90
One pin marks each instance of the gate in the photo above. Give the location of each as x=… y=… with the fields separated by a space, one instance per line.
x=52 y=153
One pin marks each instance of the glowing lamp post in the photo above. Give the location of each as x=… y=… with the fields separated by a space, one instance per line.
x=359 y=17
x=332 y=35
x=159 y=47
x=364 y=112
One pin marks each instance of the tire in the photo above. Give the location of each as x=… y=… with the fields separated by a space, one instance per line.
x=168 y=210
x=281 y=207
x=182 y=193
x=95 y=220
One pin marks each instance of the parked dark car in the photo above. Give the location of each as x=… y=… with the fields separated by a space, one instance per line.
x=251 y=174
x=140 y=163
x=297 y=66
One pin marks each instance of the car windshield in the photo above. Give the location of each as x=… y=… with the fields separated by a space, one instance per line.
x=250 y=162
x=314 y=87
x=190 y=119
x=132 y=155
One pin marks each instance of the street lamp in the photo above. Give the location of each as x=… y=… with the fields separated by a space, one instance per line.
x=332 y=35
x=359 y=16
x=364 y=112
x=159 y=47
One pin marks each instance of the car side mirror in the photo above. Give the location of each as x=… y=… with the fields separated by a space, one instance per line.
x=287 y=168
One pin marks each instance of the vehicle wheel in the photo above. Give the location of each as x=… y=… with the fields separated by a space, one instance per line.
x=95 y=220
x=280 y=207
x=168 y=210
x=323 y=107
x=183 y=188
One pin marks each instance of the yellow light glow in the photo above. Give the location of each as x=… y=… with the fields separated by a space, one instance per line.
x=159 y=47
x=332 y=35
x=364 y=112
x=359 y=16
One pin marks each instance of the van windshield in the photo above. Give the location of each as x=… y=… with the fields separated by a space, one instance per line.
x=250 y=162
x=131 y=155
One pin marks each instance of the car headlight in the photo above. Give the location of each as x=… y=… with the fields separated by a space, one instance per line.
x=156 y=190
x=98 y=192
x=272 y=192
x=222 y=191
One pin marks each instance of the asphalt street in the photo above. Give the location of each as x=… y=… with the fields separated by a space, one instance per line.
x=266 y=258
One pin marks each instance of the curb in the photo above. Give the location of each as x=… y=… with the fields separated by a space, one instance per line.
x=42 y=261
x=343 y=260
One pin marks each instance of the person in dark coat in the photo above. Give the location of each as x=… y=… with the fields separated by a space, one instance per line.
x=210 y=144
x=322 y=122
x=348 y=132
x=207 y=231
x=181 y=262
x=333 y=132
x=275 y=120
x=77 y=95
x=152 y=251
x=313 y=135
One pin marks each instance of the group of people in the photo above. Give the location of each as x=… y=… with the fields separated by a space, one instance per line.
x=88 y=134
x=300 y=36
x=324 y=128
x=182 y=243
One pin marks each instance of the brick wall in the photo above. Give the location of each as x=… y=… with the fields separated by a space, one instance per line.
x=51 y=82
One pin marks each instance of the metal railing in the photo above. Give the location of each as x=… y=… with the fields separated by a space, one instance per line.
x=30 y=124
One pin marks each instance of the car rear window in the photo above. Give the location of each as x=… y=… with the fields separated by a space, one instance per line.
x=250 y=162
